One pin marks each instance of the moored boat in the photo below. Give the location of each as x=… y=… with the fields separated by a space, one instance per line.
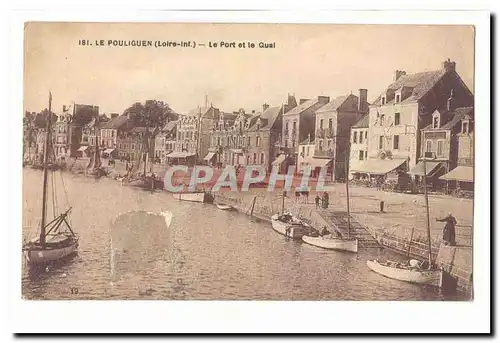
x=333 y=243
x=290 y=226
x=404 y=272
x=56 y=240
x=224 y=207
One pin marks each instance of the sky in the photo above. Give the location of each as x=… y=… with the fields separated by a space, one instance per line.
x=308 y=60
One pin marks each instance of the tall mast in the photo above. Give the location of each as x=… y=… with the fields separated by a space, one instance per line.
x=347 y=189
x=428 y=223
x=45 y=172
x=96 y=152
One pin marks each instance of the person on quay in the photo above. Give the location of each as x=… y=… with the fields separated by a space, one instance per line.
x=317 y=199
x=325 y=231
x=449 y=229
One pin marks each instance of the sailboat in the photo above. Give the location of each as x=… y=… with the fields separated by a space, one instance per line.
x=144 y=181
x=334 y=242
x=420 y=272
x=57 y=239
x=94 y=167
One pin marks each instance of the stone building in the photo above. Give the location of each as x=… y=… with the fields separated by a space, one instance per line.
x=333 y=124
x=90 y=132
x=359 y=143
x=298 y=123
x=82 y=115
x=165 y=141
x=193 y=134
x=402 y=110
x=306 y=154
x=220 y=139
x=132 y=143
x=449 y=141
x=61 y=135
x=113 y=136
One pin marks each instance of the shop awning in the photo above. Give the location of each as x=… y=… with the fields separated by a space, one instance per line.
x=209 y=156
x=108 y=151
x=180 y=154
x=377 y=166
x=279 y=160
x=460 y=173
x=431 y=168
x=82 y=148
x=318 y=162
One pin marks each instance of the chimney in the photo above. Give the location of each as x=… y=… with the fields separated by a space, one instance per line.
x=362 y=100
x=398 y=74
x=265 y=107
x=114 y=115
x=301 y=101
x=64 y=108
x=253 y=111
x=323 y=99
x=449 y=65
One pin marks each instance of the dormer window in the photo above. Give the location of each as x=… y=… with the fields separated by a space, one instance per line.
x=435 y=121
x=465 y=127
x=383 y=100
x=398 y=98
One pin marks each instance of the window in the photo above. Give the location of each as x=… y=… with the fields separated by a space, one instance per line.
x=248 y=141
x=355 y=137
x=321 y=124
x=440 y=148
x=383 y=100
x=303 y=151
x=395 y=142
x=286 y=126
x=428 y=146
x=361 y=155
x=361 y=138
x=262 y=158
x=366 y=154
x=366 y=135
x=398 y=98
x=308 y=150
x=381 y=142
x=330 y=123
x=465 y=127
x=435 y=122
x=397 y=118
x=320 y=145
x=381 y=119
x=257 y=141
x=254 y=157
x=293 y=143
x=133 y=146
x=294 y=125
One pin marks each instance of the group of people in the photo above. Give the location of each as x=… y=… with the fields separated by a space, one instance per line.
x=324 y=199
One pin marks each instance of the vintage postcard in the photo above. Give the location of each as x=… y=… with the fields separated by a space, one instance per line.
x=189 y=161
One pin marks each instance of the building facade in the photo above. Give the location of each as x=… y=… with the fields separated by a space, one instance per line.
x=82 y=115
x=165 y=141
x=61 y=135
x=359 y=143
x=113 y=136
x=333 y=124
x=402 y=110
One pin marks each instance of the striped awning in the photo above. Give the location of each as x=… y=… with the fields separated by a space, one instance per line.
x=82 y=148
x=431 y=168
x=180 y=154
x=209 y=156
x=460 y=173
x=109 y=151
x=378 y=166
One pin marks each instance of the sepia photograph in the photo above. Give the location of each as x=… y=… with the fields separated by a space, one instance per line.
x=189 y=161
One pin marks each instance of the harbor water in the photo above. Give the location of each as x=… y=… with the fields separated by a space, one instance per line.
x=135 y=244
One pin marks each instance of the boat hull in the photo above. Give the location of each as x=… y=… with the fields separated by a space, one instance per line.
x=350 y=245
x=431 y=277
x=36 y=256
x=224 y=207
x=193 y=197
x=295 y=231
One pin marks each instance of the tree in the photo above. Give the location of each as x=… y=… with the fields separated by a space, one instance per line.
x=152 y=113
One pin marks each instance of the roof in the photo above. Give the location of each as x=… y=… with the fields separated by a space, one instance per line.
x=452 y=118
x=116 y=123
x=302 y=107
x=268 y=118
x=170 y=126
x=205 y=111
x=363 y=122
x=420 y=82
x=334 y=104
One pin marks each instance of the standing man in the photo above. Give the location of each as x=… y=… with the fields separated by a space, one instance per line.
x=317 y=199
x=449 y=229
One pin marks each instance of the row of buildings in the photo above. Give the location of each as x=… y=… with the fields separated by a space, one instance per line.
x=427 y=113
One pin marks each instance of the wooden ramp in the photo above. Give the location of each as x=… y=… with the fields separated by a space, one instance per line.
x=338 y=220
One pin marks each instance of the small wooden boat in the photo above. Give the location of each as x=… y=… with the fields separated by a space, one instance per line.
x=224 y=207
x=202 y=197
x=333 y=243
x=290 y=226
x=403 y=272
